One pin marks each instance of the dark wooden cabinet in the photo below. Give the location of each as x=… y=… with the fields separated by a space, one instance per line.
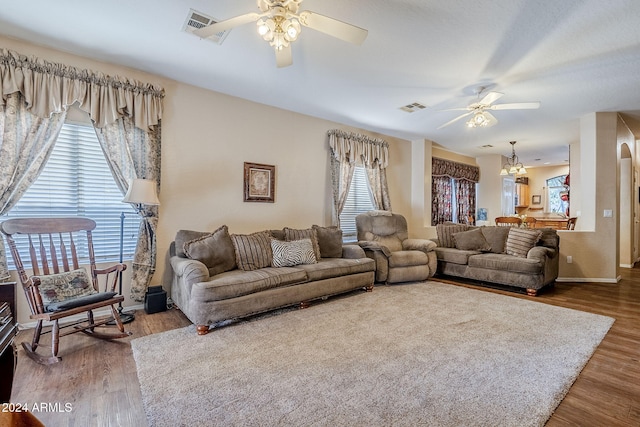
x=8 y=331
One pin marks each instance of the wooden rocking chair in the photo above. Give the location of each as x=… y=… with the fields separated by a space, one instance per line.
x=59 y=287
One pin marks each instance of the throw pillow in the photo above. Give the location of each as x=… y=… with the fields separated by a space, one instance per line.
x=291 y=234
x=253 y=251
x=521 y=240
x=496 y=237
x=63 y=286
x=445 y=233
x=215 y=250
x=296 y=252
x=183 y=236
x=330 y=241
x=472 y=240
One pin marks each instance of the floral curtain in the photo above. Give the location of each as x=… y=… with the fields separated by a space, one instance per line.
x=26 y=142
x=449 y=178
x=135 y=153
x=351 y=149
x=126 y=114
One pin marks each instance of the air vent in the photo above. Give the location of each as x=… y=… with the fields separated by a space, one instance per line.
x=196 y=20
x=486 y=146
x=412 y=108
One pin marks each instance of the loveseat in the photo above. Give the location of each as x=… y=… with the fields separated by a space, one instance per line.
x=512 y=256
x=220 y=276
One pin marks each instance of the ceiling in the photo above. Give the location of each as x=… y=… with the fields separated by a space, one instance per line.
x=574 y=56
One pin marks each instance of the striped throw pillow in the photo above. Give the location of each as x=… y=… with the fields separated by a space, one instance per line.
x=521 y=240
x=445 y=234
x=288 y=254
x=253 y=251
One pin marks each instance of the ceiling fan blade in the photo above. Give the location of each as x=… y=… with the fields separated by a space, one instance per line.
x=491 y=119
x=283 y=57
x=490 y=98
x=221 y=26
x=456 y=119
x=458 y=109
x=333 y=27
x=516 y=106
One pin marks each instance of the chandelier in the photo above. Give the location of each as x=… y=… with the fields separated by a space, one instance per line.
x=282 y=26
x=513 y=165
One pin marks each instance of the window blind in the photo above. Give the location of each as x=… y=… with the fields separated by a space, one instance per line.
x=359 y=200
x=76 y=181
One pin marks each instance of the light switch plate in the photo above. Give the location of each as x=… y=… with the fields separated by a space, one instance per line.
x=608 y=213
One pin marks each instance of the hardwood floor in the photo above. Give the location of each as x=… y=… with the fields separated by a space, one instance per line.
x=99 y=378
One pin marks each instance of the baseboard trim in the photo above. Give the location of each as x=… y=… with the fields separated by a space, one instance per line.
x=626 y=265
x=588 y=280
x=97 y=313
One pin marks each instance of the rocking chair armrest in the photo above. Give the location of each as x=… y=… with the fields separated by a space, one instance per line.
x=111 y=269
x=369 y=245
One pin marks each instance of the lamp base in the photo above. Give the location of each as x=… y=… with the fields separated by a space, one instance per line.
x=124 y=318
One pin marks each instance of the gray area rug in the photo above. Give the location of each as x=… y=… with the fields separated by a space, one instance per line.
x=428 y=354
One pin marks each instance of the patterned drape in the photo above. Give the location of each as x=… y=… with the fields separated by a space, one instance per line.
x=446 y=174
x=26 y=142
x=135 y=153
x=126 y=114
x=351 y=149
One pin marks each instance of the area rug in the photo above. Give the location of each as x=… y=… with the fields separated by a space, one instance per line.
x=428 y=353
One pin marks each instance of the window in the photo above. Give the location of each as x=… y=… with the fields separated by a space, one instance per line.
x=76 y=181
x=555 y=192
x=359 y=200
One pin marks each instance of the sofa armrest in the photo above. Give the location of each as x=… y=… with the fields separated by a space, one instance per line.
x=353 y=252
x=423 y=245
x=541 y=252
x=369 y=245
x=189 y=270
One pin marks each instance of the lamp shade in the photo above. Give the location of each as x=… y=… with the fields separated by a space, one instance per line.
x=142 y=191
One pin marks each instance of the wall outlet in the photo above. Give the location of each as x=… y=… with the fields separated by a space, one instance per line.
x=569 y=259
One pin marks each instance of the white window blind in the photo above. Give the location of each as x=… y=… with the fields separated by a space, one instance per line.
x=359 y=200
x=76 y=181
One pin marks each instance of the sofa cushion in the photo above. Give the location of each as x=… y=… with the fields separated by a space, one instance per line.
x=445 y=234
x=330 y=241
x=391 y=242
x=215 y=250
x=289 y=254
x=508 y=263
x=184 y=236
x=521 y=240
x=64 y=286
x=453 y=255
x=253 y=251
x=472 y=240
x=407 y=259
x=496 y=237
x=291 y=234
x=236 y=283
x=327 y=268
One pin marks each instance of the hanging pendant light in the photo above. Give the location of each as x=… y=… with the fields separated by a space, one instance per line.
x=513 y=165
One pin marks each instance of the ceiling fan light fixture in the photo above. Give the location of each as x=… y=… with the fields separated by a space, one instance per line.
x=478 y=120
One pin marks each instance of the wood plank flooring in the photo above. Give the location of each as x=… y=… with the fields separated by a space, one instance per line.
x=99 y=378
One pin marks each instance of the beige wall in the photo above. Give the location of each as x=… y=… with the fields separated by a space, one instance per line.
x=206 y=137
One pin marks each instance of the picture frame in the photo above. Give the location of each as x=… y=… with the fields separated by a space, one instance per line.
x=536 y=199
x=259 y=182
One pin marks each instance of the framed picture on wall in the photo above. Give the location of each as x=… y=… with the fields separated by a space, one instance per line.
x=536 y=199
x=259 y=182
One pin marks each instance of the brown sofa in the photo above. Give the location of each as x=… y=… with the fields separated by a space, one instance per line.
x=511 y=256
x=220 y=276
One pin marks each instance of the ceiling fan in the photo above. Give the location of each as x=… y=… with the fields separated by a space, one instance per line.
x=482 y=117
x=280 y=24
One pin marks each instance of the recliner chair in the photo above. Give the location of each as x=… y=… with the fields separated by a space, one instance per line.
x=384 y=237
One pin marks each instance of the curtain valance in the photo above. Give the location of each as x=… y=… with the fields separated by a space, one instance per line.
x=48 y=87
x=455 y=170
x=354 y=148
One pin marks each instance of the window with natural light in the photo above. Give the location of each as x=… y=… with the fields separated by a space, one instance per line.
x=555 y=190
x=359 y=200
x=76 y=181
